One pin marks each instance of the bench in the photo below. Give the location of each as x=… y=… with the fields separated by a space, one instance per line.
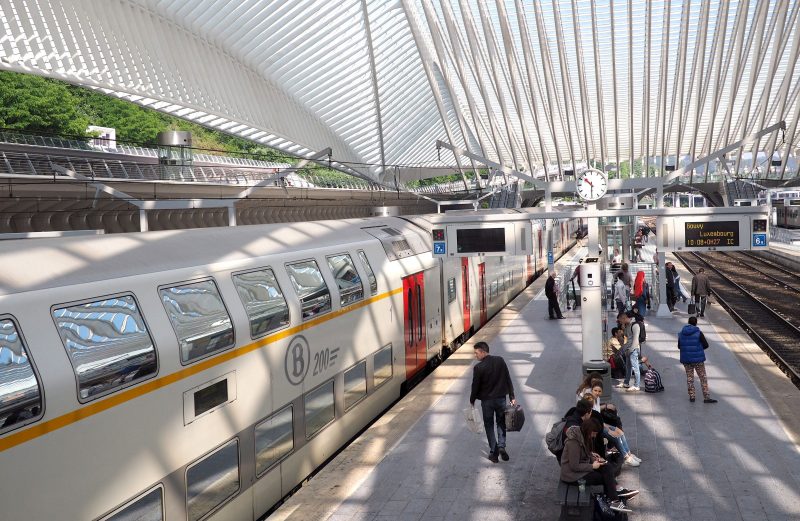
x=574 y=505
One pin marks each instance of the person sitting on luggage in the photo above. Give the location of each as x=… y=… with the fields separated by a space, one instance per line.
x=579 y=462
x=612 y=431
x=575 y=416
x=615 y=345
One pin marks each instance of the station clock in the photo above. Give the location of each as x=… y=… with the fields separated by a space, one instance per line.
x=591 y=185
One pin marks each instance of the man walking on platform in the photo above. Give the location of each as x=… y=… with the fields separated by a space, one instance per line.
x=491 y=382
x=701 y=290
x=553 y=309
x=692 y=344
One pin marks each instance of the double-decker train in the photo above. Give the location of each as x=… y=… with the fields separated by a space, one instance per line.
x=787 y=212
x=199 y=374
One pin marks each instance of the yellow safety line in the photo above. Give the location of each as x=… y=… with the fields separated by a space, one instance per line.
x=149 y=386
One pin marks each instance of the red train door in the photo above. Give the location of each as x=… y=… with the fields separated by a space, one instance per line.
x=465 y=284
x=414 y=323
x=482 y=290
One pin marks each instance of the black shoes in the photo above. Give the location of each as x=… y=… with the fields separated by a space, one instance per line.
x=503 y=454
x=557 y=318
x=691 y=400
x=493 y=457
x=709 y=400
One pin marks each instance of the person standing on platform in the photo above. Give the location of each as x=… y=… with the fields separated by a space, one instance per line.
x=632 y=350
x=620 y=293
x=641 y=293
x=692 y=344
x=491 y=382
x=638 y=244
x=701 y=290
x=626 y=275
x=671 y=293
x=553 y=309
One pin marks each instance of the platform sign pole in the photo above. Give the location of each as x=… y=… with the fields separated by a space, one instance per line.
x=663 y=236
x=549 y=243
x=593 y=238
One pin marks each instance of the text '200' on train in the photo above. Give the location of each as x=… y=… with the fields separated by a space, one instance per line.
x=205 y=373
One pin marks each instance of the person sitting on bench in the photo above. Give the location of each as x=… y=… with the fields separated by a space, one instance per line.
x=579 y=462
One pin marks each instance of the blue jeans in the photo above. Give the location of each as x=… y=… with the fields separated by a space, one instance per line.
x=633 y=366
x=621 y=442
x=494 y=409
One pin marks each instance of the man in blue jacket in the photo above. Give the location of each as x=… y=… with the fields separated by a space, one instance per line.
x=692 y=344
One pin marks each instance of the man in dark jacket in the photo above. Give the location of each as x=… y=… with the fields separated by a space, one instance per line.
x=670 y=281
x=491 y=382
x=553 y=309
x=692 y=344
x=701 y=290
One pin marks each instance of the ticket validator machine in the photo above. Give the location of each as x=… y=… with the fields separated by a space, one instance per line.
x=593 y=320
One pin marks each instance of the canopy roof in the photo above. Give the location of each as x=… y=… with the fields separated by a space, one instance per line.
x=524 y=83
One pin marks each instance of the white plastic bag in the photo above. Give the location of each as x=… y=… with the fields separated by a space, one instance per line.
x=474 y=420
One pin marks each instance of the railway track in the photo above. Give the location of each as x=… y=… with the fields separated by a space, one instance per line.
x=761 y=305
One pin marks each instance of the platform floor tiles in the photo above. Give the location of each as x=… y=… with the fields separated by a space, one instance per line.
x=728 y=461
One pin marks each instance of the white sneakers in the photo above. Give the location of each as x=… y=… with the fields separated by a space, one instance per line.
x=631 y=460
x=621 y=386
x=632 y=389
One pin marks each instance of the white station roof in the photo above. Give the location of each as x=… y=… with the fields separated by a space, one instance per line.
x=525 y=83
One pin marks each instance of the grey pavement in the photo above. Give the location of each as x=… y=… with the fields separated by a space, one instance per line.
x=727 y=461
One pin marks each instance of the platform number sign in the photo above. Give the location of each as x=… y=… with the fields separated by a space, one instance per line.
x=439 y=244
x=759 y=240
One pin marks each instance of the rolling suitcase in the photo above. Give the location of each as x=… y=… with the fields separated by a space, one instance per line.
x=515 y=418
x=692 y=309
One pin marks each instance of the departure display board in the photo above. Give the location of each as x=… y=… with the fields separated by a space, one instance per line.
x=480 y=240
x=705 y=234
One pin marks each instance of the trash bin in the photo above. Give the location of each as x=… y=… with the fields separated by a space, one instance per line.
x=603 y=370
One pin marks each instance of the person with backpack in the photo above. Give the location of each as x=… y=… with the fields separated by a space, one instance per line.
x=580 y=462
x=620 y=293
x=632 y=350
x=491 y=382
x=611 y=431
x=692 y=344
x=616 y=357
x=575 y=416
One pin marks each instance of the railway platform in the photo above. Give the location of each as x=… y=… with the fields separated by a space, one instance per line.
x=734 y=460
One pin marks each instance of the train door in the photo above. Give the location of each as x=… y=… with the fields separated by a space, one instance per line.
x=482 y=291
x=414 y=322
x=529 y=270
x=466 y=300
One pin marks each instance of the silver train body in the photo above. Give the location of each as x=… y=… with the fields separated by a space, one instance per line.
x=203 y=374
x=787 y=212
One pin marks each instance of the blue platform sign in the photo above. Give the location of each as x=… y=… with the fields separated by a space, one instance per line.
x=549 y=257
x=759 y=239
x=439 y=248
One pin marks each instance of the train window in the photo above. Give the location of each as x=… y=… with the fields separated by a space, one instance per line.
x=319 y=408
x=451 y=290
x=344 y=271
x=199 y=318
x=263 y=301
x=213 y=480
x=108 y=344
x=310 y=287
x=373 y=282
x=148 y=506
x=274 y=440
x=382 y=366
x=20 y=392
x=355 y=384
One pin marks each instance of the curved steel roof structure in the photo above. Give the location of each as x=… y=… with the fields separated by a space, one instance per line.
x=526 y=83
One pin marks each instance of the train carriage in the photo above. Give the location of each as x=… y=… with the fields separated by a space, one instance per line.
x=204 y=374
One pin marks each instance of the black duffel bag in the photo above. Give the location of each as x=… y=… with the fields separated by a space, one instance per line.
x=515 y=418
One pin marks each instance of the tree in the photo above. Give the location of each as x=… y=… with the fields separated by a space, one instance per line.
x=39 y=105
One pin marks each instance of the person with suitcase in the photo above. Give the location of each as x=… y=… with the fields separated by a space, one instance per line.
x=491 y=382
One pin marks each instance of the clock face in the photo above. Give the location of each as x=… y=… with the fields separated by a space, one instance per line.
x=591 y=185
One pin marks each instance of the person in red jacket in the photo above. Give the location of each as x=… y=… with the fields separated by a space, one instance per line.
x=491 y=382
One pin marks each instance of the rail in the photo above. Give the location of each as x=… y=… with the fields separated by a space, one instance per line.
x=776 y=335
